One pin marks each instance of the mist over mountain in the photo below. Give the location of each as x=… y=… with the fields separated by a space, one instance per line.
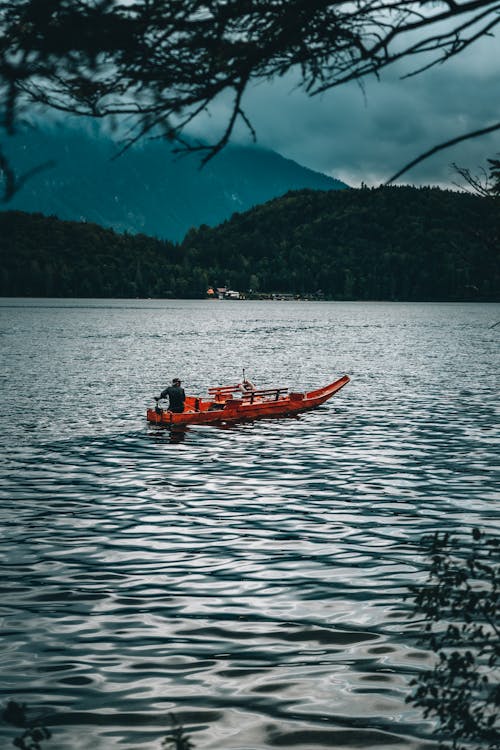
x=148 y=189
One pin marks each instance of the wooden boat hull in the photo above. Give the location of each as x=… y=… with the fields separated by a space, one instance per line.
x=198 y=411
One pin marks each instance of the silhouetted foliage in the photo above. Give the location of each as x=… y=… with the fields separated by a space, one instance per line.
x=404 y=243
x=177 y=739
x=34 y=733
x=494 y=176
x=485 y=183
x=460 y=605
x=162 y=62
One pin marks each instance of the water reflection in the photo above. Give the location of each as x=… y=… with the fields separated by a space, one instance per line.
x=178 y=433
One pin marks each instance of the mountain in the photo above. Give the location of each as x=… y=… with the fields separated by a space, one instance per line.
x=393 y=243
x=148 y=188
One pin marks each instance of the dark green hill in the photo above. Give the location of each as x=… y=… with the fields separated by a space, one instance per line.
x=148 y=189
x=388 y=243
x=43 y=256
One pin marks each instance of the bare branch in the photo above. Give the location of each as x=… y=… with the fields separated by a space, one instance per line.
x=480 y=185
x=442 y=146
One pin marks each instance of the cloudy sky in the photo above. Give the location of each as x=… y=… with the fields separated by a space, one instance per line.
x=369 y=136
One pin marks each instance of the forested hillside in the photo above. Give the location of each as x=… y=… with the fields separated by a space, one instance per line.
x=44 y=256
x=387 y=243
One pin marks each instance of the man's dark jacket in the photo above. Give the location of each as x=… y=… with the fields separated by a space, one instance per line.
x=176 y=397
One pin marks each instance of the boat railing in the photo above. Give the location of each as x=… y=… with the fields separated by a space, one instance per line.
x=267 y=393
x=221 y=392
x=225 y=392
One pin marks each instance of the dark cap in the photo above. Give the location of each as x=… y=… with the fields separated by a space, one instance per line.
x=176 y=381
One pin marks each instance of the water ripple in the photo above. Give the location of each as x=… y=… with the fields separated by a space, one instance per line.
x=251 y=579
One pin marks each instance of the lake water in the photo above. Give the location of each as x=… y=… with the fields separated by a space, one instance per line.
x=250 y=580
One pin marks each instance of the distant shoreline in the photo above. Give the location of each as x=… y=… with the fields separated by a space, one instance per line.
x=5 y=297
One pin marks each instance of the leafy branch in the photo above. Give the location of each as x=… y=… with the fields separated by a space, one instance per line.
x=34 y=732
x=459 y=603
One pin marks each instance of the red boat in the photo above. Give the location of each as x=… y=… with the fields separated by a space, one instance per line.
x=226 y=403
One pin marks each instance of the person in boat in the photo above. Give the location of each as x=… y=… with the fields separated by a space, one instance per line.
x=176 y=396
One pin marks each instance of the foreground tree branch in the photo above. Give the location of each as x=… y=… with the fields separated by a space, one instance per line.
x=442 y=146
x=162 y=62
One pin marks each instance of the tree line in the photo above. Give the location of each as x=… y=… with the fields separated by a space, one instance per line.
x=390 y=243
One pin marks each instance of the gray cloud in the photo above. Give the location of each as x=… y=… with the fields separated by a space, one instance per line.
x=368 y=136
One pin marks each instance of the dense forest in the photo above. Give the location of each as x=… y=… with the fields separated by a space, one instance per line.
x=392 y=243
